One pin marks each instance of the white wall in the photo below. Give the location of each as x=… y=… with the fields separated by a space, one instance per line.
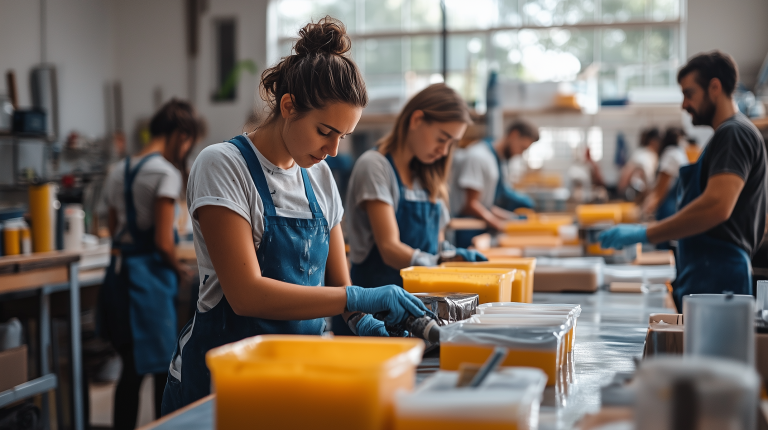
x=738 y=27
x=79 y=43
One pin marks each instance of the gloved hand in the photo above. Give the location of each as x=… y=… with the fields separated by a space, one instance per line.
x=623 y=235
x=392 y=298
x=370 y=326
x=510 y=200
x=470 y=255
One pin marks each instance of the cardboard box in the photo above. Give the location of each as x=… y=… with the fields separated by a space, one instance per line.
x=665 y=335
x=13 y=363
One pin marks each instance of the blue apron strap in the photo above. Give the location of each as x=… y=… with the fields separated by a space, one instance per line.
x=130 y=206
x=317 y=213
x=397 y=175
x=500 y=183
x=257 y=174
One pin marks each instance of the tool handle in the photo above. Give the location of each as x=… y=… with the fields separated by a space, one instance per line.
x=489 y=366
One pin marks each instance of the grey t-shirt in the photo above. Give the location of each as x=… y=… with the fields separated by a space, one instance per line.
x=474 y=168
x=373 y=178
x=157 y=178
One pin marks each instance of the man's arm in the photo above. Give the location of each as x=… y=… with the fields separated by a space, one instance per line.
x=474 y=208
x=713 y=207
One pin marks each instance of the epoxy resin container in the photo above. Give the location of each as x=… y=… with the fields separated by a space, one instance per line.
x=526 y=266
x=531 y=342
x=491 y=285
x=509 y=399
x=275 y=381
x=570 y=312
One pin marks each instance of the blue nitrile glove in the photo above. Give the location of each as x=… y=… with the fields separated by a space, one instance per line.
x=510 y=200
x=623 y=235
x=370 y=326
x=392 y=298
x=470 y=255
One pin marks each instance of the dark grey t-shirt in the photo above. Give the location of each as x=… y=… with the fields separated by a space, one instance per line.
x=738 y=148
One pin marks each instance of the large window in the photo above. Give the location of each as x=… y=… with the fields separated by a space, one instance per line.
x=398 y=44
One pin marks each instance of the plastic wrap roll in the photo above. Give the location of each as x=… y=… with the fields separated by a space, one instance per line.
x=720 y=325
x=42 y=199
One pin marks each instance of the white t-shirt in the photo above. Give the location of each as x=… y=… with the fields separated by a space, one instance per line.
x=474 y=168
x=157 y=178
x=373 y=178
x=220 y=177
x=672 y=159
x=646 y=160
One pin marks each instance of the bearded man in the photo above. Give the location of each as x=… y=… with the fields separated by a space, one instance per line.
x=722 y=198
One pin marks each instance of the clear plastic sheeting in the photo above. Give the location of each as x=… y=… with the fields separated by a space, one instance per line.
x=508 y=398
x=450 y=307
x=642 y=274
x=593 y=265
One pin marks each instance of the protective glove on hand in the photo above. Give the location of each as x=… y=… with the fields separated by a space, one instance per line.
x=510 y=200
x=370 y=326
x=470 y=255
x=392 y=298
x=623 y=235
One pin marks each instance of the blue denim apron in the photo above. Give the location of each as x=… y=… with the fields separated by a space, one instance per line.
x=292 y=250
x=137 y=304
x=706 y=264
x=667 y=208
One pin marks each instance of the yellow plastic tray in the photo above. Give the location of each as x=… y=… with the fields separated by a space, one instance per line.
x=334 y=382
x=524 y=265
x=487 y=283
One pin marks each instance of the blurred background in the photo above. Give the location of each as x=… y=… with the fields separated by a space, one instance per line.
x=591 y=74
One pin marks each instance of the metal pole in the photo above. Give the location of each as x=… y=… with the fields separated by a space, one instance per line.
x=77 y=361
x=444 y=40
x=45 y=344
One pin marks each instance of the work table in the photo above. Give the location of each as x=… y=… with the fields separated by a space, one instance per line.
x=610 y=335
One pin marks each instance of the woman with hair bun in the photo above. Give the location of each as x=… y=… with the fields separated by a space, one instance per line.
x=266 y=214
x=398 y=193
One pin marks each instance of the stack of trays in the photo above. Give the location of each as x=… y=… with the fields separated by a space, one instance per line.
x=568 y=274
x=491 y=285
x=539 y=336
x=507 y=399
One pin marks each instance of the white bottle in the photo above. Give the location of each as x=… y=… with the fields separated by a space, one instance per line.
x=74 y=227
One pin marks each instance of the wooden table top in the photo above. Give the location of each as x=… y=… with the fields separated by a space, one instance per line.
x=41 y=260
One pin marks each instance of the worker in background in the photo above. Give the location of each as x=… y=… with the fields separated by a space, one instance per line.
x=398 y=194
x=136 y=305
x=722 y=207
x=662 y=200
x=637 y=176
x=266 y=218
x=478 y=182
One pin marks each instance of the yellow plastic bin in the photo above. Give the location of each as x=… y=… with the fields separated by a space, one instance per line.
x=472 y=342
x=491 y=285
x=524 y=265
x=509 y=399
x=594 y=214
x=282 y=381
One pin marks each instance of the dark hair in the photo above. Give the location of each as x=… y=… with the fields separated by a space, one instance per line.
x=671 y=138
x=317 y=74
x=648 y=135
x=525 y=129
x=710 y=65
x=440 y=103
x=176 y=121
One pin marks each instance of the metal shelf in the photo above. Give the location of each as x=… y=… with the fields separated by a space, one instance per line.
x=26 y=390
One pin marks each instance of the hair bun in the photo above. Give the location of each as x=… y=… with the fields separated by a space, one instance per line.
x=327 y=35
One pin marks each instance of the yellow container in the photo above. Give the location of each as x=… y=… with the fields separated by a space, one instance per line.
x=41 y=208
x=537 y=310
x=596 y=249
x=538 y=225
x=501 y=253
x=594 y=214
x=11 y=239
x=526 y=266
x=489 y=284
x=281 y=381
x=630 y=212
x=472 y=342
